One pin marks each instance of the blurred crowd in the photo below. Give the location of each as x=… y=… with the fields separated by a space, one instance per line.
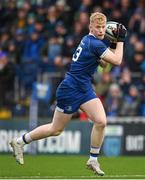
x=38 y=38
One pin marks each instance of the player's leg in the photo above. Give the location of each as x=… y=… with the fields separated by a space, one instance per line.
x=96 y=113
x=52 y=129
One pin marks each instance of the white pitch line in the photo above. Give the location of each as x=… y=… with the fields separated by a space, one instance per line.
x=74 y=177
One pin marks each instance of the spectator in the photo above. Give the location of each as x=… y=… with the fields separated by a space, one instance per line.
x=51 y=20
x=107 y=6
x=127 y=10
x=39 y=27
x=7 y=75
x=130 y=48
x=4 y=39
x=125 y=81
x=32 y=47
x=116 y=15
x=31 y=19
x=30 y=60
x=20 y=22
x=138 y=59
x=113 y=100
x=86 y=6
x=12 y=55
x=19 y=42
x=10 y=15
x=103 y=85
x=49 y=52
x=130 y=103
x=64 y=13
x=40 y=11
x=141 y=87
x=84 y=21
x=60 y=30
x=137 y=23
x=77 y=32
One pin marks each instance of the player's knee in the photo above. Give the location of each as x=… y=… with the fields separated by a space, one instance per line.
x=56 y=132
x=101 y=123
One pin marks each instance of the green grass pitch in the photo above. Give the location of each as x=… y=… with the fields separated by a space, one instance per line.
x=70 y=167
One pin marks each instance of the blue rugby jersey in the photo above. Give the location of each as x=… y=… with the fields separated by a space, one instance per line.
x=85 y=61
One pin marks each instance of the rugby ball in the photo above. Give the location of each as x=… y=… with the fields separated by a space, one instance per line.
x=110 y=26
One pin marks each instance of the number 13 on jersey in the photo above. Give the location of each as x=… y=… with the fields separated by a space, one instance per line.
x=77 y=53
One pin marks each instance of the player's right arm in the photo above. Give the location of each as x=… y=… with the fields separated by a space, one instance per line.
x=115 y=57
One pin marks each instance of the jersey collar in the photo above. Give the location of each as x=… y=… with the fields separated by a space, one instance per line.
x=92 y=35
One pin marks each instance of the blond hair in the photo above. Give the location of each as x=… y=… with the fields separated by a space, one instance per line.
x=98 y=17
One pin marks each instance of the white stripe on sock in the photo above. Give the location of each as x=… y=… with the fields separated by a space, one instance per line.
x=95 y=150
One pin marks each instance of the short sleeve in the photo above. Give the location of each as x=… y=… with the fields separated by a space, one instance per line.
x=98 y=48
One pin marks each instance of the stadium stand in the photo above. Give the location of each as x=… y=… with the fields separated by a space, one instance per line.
x=38 y=38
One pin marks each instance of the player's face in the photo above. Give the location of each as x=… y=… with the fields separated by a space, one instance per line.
x=98 y=29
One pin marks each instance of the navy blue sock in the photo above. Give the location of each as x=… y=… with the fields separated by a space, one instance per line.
x=23 y=137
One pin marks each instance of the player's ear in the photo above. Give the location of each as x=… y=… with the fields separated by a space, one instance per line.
x=90 y=27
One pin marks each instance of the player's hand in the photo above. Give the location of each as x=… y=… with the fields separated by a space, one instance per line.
x=120 y=33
